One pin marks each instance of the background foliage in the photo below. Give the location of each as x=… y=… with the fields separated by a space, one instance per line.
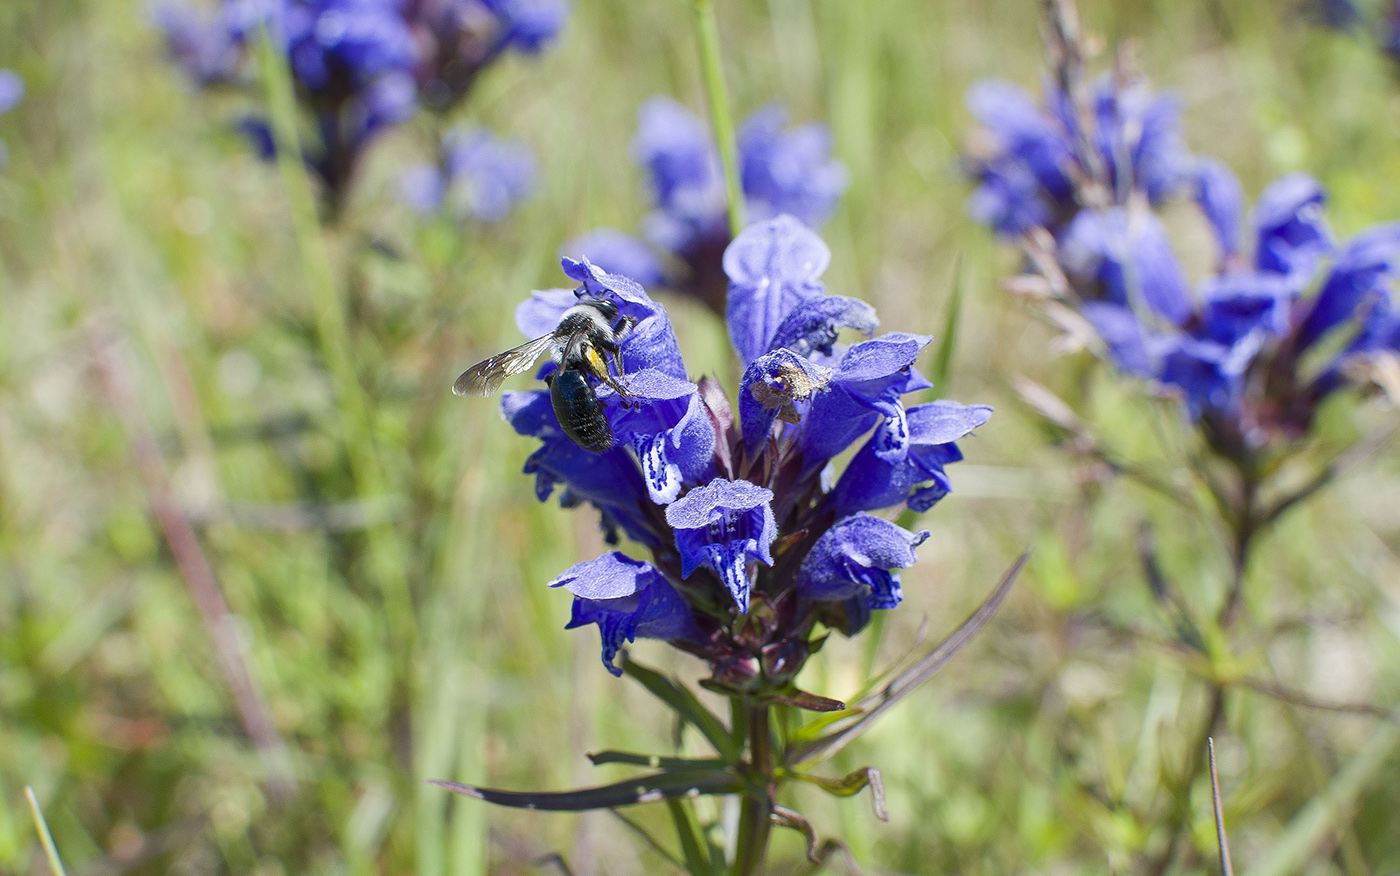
x=130 y=209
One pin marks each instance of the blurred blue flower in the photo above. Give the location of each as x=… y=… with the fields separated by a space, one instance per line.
x=1238 y=353
x=782 y=171
x=461 y=38
x=11 y=92
x=480 y=176
x=1033 y=163
x=362 y=66
x=747 y=510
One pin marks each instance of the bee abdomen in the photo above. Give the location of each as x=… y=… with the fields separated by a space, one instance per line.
x=579 y=411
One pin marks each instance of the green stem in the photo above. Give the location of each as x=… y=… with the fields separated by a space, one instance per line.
x=756 y=816
x=386 y=560
x=707 y=33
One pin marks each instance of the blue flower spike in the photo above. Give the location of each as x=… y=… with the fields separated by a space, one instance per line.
x=361 y=67
x=1232 y=349
x=738 y=503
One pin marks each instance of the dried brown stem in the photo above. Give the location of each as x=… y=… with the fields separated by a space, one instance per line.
x=194 y=566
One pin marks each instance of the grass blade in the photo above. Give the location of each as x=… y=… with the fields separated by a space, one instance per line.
x=45 y=838
x=947 y=345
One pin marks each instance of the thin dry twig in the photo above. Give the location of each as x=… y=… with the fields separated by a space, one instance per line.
x=194 y=566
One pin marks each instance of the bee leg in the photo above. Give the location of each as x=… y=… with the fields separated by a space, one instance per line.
x=624 y=395
x=624 y=325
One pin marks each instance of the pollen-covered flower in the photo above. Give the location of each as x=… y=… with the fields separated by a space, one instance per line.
x=782 y=170
x=753 y=538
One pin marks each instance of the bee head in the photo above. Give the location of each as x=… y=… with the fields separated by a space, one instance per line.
x=603 y=306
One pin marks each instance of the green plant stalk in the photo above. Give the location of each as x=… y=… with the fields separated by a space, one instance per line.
x=387 y=563
x=756 y=814
x=721 y=119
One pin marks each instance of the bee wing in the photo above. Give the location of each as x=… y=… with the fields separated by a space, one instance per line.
x=486 y=377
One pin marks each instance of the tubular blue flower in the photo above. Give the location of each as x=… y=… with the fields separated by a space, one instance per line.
x=772 y=267
x=782 y=171
x=610 y=481
x=1239 y=304
x=875 y=480
x=666 y=426
x=790 y=171
x=1219 y=196
x=1360 y=271
x=723 y=526
x=1293 y=236
x=626 y=598
x=856 y=558
x=363 y=66
x=1126 y=258
x=1031 y=163
x=865 y=390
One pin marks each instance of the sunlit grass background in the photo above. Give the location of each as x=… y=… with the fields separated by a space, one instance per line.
x=129 y=208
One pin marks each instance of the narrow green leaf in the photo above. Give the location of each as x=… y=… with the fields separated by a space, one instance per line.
x=943 y=358
x=801 y=699
x=45 y=838
x=655 y=762
x=629 y=792
x=698 y=861
x=684 y=703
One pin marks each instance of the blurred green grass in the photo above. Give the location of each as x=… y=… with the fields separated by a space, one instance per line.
x=127 y=198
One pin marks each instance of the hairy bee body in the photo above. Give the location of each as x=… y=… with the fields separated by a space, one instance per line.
x=587 y=334
x=579 y=411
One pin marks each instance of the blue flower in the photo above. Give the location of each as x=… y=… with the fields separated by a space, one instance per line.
x=741 y=511
x=481 y=176
x=723 y=526
x=772 y=268
x=1124 y=257
x=788 y=171
x=11 y=91
x=626 y=598
x=855 y=559
x=876 y=479
x=1031 y=164
x=1233 y=351
x=782 y=171
x=200 y=43
x=1293 y=234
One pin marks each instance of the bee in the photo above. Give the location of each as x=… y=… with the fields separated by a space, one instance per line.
x=587 y=335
